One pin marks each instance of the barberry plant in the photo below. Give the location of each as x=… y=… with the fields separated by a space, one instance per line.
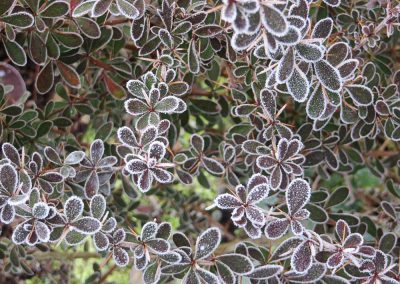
x=193 y=141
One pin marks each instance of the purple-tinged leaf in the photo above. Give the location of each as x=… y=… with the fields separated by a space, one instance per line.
x=92 y=185
x=7 y=214
x=207 y=276
x=100 y=241
x=276 y=228
x=149 y=231
x=322 y=29
x=96 y=150
x=97 y=206
x=297 y=195
x=213 y=166
x=227 y=201
x=285 y=67
x=207 y=242
x=354 y=240
x=120 y=257
x=302 y=258
x=11 y=153
x=8 y=178
x=158 y=246
x=273 y=20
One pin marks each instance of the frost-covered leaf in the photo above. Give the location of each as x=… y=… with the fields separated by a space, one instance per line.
x=207 y=31
x=74 y=158
x=152 y=273
x=136 y=88
x=87 y=225
x=158 y=245
x=317 y=103
x=40 y=210
x=18 y=19
x=333 y=3
x=273 y=20
x=227 y=201
x=197 y=142
x=193 y=58
x=136 y=166
x=328 y=75
x=297 y=195
x=127 y=9
x=97 y=206
x=241 y=41
x=276 y=228
x=361 y=95
x=74 y=238
x=96 y=150
x=92 y=185
x=167 y=105
x=268 y=103
x=149 y=230
x=310 y=52
x=100 y=7
x=265 y=271
x=120 y=257
x=285 y=66
x=136 y=107
x=100 y=241
x=207 y=276
x=7 y=214
x=314 y=273
x=298 y=85
x=73 y=208
x=207 y=242
x=8 y=178
x=284 y=249
x=323 y=28
x=11 y=153
x=302 y=258
x=238 y=263
x=213 y=166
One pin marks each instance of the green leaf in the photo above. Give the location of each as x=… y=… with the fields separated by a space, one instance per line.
x=14 y=257
x=193 y=58
x=15 y=52
x=69 y=39
x=5 y=5
x=62 y=122
x=53 y=50
x=317 y=214
x=55 y=9
x=37 y=48
x=337 y=197
x=207 y=31
x=20 y=20
x=206 y=106
x=88 y=27
x=104 y=131
x=43 y=128
x=393 y=189
x=387 y=242
x=12 y=111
